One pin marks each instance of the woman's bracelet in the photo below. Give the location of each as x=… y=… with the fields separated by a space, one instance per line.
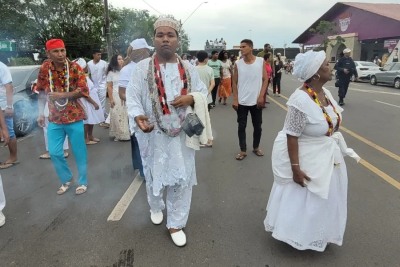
x=295 y=164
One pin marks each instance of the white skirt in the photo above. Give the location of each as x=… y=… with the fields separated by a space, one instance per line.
x=93 y=116
x=304 y=220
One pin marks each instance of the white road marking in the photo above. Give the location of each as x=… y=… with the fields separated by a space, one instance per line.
x=126 y=199
x=373 y=91
x=387 y=104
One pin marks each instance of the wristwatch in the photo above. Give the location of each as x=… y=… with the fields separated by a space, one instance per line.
x=9 y=107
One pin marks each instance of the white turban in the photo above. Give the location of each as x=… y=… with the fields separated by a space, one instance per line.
x=307 y=64
x=81 y=62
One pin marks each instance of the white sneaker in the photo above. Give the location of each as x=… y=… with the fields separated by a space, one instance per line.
x=156 y=217
x=179 y=238
x=2 y=219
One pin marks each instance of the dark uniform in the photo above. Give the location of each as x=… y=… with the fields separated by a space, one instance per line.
x=343 y=78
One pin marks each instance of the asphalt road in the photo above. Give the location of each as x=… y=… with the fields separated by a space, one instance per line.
x=225 y=226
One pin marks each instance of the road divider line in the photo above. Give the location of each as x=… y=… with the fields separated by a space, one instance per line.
x=363 y=162
x=380 y=173
x=371 y=144
x=387 y=104
x=126 y=199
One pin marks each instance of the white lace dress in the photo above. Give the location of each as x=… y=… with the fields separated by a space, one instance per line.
x=295 y=215
x=119 y=127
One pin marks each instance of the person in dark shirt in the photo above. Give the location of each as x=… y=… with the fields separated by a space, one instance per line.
x=345 y=68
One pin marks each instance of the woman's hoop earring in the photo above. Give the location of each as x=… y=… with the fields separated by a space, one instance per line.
x=319 y=77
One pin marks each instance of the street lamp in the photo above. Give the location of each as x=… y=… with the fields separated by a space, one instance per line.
x=180 y=29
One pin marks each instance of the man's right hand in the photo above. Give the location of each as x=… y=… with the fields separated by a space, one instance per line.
x=143 y=122
x=235 y=104
x=40 y=120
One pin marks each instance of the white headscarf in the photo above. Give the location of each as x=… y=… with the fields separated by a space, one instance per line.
x=307 y=64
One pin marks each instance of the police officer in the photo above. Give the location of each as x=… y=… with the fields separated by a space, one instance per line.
x=345 y=68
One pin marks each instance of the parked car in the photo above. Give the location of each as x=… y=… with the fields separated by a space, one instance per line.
x=24 y=100
x=390 y=74
x=364 y=70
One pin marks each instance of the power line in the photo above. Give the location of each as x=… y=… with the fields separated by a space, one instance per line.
x=152 y=7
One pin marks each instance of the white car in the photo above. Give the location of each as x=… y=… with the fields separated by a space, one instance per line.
x=364 y=70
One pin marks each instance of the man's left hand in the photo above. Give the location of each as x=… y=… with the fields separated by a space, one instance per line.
x=183 y=101
x=260 y=102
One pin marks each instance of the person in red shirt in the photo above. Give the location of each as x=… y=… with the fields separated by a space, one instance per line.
x=63 y=82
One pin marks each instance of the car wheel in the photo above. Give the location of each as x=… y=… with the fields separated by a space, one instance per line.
x=373 y=80
x=24 y=118
x=397 y=83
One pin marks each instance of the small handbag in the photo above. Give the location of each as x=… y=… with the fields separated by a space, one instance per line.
x=192 y=125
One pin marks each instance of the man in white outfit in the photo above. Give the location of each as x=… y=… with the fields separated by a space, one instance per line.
x=97 y=69
x=6 y=137
x=158 y=101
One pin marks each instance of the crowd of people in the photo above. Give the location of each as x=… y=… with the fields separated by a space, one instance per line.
x=161 y=103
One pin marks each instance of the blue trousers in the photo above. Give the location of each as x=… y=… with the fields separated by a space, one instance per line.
x=56 y=134
x=136 y=158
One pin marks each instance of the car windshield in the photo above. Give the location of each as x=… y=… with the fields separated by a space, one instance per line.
x=18 y=76
x=369 y=64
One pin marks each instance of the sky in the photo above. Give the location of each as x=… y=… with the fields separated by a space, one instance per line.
x=277 y=22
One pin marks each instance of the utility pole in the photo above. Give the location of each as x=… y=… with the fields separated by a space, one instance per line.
x=107 y=30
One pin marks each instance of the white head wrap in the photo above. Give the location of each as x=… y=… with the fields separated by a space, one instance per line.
x=346 y=50
x=307 y=64
x=81 y=62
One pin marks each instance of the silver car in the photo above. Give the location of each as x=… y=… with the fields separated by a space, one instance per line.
x=390 y=74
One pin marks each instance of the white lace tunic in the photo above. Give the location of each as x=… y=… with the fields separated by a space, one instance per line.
x=167 y=161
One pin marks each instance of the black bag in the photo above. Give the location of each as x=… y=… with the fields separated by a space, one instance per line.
x=192 y=125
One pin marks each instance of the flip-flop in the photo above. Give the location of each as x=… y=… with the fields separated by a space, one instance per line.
x=44 y=156
x=81 y=189
x=95 y=139
x=91 y=143
x=258 y=152
x=6 y=165
x=63 y=188
x=66 y=154
x=240 y=156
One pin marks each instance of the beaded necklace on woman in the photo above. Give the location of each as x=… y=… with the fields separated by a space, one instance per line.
x=311 y=92
x=158 y=94
x=60 y=104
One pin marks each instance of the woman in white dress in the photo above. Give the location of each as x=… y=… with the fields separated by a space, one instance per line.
x=307 y=207
x=119 y=128
x=93 y=109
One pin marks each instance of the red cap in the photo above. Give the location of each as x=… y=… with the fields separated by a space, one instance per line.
x=54 y=44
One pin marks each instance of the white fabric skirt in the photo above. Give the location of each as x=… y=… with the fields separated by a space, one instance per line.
x=93 y=116
x=304 y=220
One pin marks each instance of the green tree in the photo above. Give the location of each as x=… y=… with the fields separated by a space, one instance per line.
x=325 y=29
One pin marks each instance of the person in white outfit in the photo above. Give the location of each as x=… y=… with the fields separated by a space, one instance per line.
x=6 y=137
x=307 y=206
x=94 y=114
x=137 y=51
x=97 y=69
x=46 y=155
x=158 y=101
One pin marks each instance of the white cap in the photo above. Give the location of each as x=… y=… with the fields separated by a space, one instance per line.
x=278 y=54
x=139 y=44
x=346 y=50
x=81 y=62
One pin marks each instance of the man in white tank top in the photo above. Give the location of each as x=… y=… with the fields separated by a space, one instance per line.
x=249 y=85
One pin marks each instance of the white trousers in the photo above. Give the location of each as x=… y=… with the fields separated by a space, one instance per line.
x=2 y=196
x=46 y=124
x=178 y=200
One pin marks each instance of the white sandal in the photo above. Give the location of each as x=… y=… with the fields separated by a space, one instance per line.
x=81 y=189
x=63 y=188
